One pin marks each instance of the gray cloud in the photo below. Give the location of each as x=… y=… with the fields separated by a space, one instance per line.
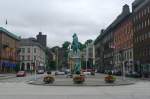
x=59 y=19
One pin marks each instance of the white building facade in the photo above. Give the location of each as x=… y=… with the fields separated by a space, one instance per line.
x=32 y=55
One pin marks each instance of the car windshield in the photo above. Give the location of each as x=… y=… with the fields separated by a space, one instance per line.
x=21 y=71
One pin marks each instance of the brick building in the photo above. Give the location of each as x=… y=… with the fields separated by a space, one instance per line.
x=141 y=25
x=123 y=41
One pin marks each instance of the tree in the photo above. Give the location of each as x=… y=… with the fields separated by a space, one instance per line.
x=66 y=45
x=82 y=46
x=66 y=49
x=88 y=41
x=52 y=65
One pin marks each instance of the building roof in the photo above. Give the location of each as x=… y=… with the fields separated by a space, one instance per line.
x=30 y=42
x=9 y=33
x=138 y=4
x=125 y=13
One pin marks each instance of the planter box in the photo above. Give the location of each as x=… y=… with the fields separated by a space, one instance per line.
x=48 y=79
x=110 y=79
x=78 y=79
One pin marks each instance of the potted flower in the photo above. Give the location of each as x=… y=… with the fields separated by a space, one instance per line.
x=49 y=78
x=79 y=79
x=110 y=79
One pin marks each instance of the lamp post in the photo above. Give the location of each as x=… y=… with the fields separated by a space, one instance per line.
x=93 y=55
x=57 y=58
x=86 y=56
x=35 y=75
x=122 y=63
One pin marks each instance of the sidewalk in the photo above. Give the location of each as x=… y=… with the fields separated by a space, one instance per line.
x=130 y=78
x=7 y=76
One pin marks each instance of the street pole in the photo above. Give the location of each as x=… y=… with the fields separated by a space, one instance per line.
x=123 y=71
x=86 y=56
x=57 y=60
x=93 y=55
x=35 y=76
x=123 y=66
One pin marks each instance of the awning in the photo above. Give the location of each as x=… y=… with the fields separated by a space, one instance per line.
x=8 y=64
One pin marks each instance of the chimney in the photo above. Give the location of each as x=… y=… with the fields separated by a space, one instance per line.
x=126 y=9
x=102 y=30
x=40 y=33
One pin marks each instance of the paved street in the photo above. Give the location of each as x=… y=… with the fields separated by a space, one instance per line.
x=19 y=79
x=17 y=88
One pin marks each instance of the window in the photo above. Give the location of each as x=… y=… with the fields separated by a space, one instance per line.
x=142 y=13
x=145 y=12
x=130 y=54
x=143 y=37
x=146 y=35
x=149 y=34
x=139 y=16
x=145 y=23
x=34 y=57
x=28 y=57
x=34 y=50
x=23 y=58
x=23 y=50
x=28 y=50
x=142 y=25
x=137 y=39
x=149 y=51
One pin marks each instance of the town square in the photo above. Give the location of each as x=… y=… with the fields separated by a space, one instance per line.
x=83 y=49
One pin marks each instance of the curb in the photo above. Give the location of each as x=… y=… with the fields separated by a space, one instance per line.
x=3 y=78
x=80 y=85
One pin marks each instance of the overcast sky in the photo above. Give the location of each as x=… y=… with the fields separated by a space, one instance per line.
x=59 y=19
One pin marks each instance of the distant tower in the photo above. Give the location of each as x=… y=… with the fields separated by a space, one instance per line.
x=42 y=39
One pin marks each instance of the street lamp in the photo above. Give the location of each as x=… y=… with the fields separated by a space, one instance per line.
x=57 y=58
x=86 y=56
x=122 y=63
x=93 y=54
x=35 y=75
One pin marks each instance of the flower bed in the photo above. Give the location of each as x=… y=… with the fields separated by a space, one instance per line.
x=110 y=79
x=79 y=79
x=48 y=79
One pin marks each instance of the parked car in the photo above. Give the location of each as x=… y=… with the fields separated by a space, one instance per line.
x=69 y=75
x=88 y=70
x=67 y=71
x=40 y=71
x=87 y=73
x=118 y=73
x=21 y=74
x=59 y=73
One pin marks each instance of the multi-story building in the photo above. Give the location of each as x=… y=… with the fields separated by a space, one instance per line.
x=123 y=41
x=59 y=54
x=99 y=49
x=141 y=29
x=88 y=56
x=42 y=39
x=103 y=50
x=32 y=54
x=112 y=40
x=9 y=44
